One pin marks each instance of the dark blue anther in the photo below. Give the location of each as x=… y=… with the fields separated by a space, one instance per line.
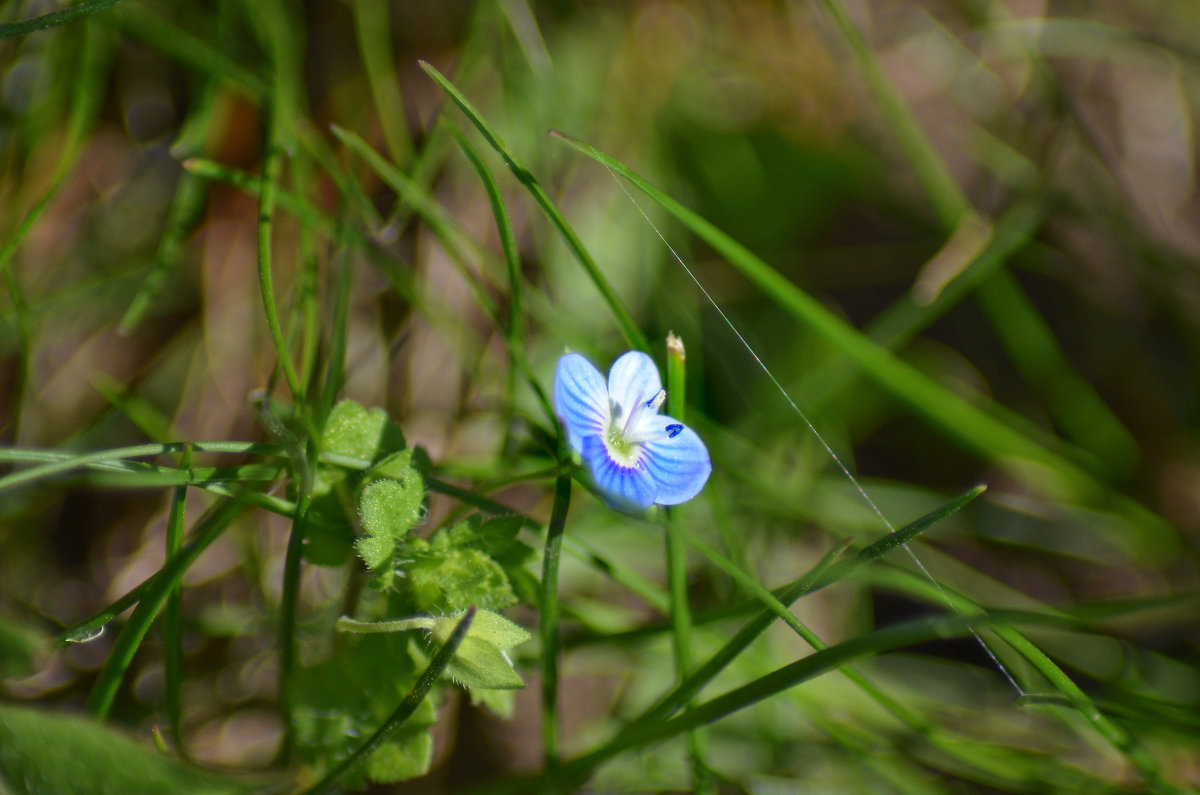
x=674 y=430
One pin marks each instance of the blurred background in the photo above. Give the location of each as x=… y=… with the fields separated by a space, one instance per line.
x=1000 y=192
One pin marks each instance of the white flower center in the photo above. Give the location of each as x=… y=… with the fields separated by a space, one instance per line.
x=624 y=439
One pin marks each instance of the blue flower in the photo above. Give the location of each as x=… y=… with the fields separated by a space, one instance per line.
x=636 y=455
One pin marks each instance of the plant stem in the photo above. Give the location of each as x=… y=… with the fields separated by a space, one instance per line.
x=676 y=554
x=549 y=618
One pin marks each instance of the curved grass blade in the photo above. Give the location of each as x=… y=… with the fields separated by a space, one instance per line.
x=633 y=335
x=152 y=598
x=514 y=327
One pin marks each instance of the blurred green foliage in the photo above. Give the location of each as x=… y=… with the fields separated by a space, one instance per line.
x=961 y=235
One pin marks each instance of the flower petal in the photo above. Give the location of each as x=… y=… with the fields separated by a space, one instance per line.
x=580 y=398
x=633 y=377
x=623 y=487
x=679 y=465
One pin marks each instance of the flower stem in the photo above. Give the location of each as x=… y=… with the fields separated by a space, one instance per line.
x=172 y=626
x=676 y=554
x=549 y=623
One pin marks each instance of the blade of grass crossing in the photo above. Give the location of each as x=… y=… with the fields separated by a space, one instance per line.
x=1006 y=630
x=57 y=462
x=1134 y=751
x=629 y=329
x=514 y=328
x=403 y=712
x=152 y=598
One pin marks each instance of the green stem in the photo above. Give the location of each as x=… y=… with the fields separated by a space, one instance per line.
x=266 y=206
x=173 y=615
x=549 y=617
x=676 y=554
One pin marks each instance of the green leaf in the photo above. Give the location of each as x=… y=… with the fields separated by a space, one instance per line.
x=501 y=703
x=354 y=431
x=402 y=758
x=480 y=661
x=480 y=664
x=447 y=579
x=20 y=646
x=397 y=466
x=375 y=551
x=391 y=508
x=498 y=538
x=489 y=627
x=51 y=754
x=327 y=543
x=340 y=701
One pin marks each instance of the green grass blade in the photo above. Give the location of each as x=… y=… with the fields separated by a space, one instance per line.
x=266 y=209
x=455 y=241
x=54 y=18
x=913 y=529
x=186 y=48
x=1113 y=732
x=695 y=682
x=633 y=335
x=57 y=462
x=172 y=626
x=508 y=242
x=152 y=598
x=373 y=27
x=1075 y=406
